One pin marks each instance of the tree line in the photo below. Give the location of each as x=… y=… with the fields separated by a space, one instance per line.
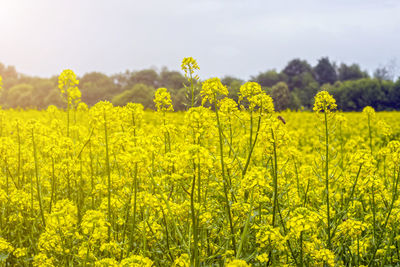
x=291 y=88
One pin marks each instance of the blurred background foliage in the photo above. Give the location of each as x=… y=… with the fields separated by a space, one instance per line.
x=291 y=88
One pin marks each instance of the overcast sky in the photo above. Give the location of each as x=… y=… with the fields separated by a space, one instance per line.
x=227 y=37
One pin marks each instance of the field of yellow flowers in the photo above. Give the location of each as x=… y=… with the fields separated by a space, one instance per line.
x=222 y=184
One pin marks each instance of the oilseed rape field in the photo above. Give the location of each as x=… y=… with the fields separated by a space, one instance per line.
x=225 y=183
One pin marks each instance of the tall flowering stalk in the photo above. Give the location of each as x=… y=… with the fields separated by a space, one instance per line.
x=370 y=112
x=68 y=85
x=212 y=90
x=189 y=66
x=261 y=104
x=163 y=102
x=108 y=173
x=326 y=104
x=37 y=176
x=258 y=102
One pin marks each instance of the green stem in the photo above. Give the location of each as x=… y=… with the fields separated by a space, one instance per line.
x=191 y=87
x=301 y=249
x=37 y=179
x=252 y=144
x=370 y=132
x=275 y=181
x=108 y=176
x=53 y=183
x=195 y=252
x=246 y=227
x=327 y=179
x=228 y=208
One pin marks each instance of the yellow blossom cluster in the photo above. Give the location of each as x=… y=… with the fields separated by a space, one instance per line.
x=233 y=183
x=189 y=66
x=68 y=86
x=163 y=101
x=324 y=102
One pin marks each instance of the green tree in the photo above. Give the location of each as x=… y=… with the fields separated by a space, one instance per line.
x=173 y=80
x=394 y=96
x=140 y=93
x=281 y=95
x=10 y=76
x=354 y=95
x=352 y=72
x=42 y=88
x=268 y=78
x=298 y=74
x=306 y=93
x=179 y=99
x=122 y=80
x=325 y=72
x=20 y=95
x=296 y=67
x=233 y=84
x=382 y=73
x=54 y=98
x=96 y=86
x=148 y=77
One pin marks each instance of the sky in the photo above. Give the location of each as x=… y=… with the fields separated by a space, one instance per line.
x=226 y=37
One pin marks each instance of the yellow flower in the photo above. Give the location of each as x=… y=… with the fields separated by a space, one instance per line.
x=182 y=261
x=228 y=106
x=237 y=263
x=256 y=97
x=5 y=246
x=262 y=101
x=163 y=100
x=189 y=65
x=370 y=111
x=95 y=225
x=250 y=89
x=351 y=229
x=43 y=261
x=384 y=128
x=212 y=89
x=263 y=258
x=82 y=107
x=324 y=102
x=302 y=220
x=20 y=252
x=136 y=261
x=269 y=237
x=68 y=85
x=106 y=262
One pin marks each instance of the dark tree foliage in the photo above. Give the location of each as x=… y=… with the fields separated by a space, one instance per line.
x=383 y=73
x=356 y=94
x=324 y=71
x=148 y=77
x=296 y=67
x=294 y=87
x=140 y=93
x=352 y=72
x=281 y=96
x=96 y=86
x=298 y=75
x=233 y=85
x=268 y=78
x=173 y=80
